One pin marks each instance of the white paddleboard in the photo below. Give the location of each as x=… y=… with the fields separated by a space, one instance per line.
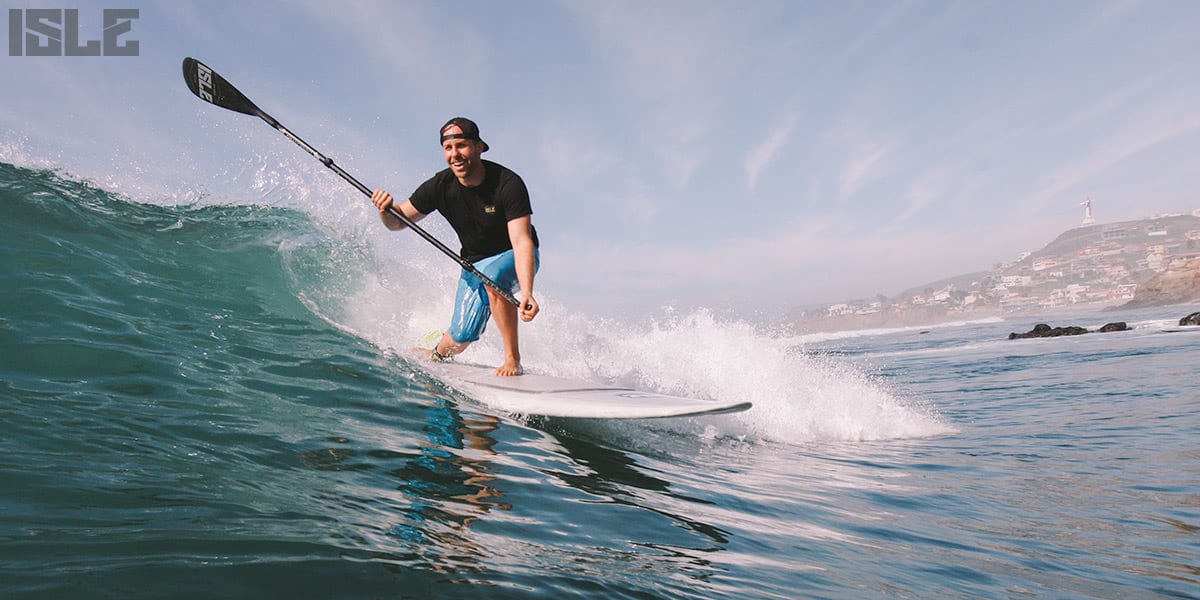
x=533 y=394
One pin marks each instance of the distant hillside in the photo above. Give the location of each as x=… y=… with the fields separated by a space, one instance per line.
x=1101 y=265
x=958 y=281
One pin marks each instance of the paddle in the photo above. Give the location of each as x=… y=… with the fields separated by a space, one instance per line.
x=209 y=86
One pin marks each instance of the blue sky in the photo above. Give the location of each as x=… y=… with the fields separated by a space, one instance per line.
x=751 y=156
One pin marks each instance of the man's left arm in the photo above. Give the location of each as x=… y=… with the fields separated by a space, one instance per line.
x=523 y=252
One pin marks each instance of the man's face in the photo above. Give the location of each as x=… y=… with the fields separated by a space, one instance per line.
x=462 y=155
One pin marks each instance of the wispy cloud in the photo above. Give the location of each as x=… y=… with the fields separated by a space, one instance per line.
x=857 y=150
x=861 y=167
x=1118 y=98
x=762 y=155
x=923 y=192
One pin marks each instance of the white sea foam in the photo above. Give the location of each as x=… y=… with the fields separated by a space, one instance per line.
x=797 y=397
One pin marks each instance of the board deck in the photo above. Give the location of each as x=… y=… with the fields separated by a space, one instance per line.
x=534 y=394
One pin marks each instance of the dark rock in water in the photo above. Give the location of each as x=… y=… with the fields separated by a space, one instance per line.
x=1118 y=326
x=1042 y=330
x=1192 y=319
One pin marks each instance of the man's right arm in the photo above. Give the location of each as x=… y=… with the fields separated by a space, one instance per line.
x=383 y=200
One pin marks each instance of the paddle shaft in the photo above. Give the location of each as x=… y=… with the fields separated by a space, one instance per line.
x=212 y=88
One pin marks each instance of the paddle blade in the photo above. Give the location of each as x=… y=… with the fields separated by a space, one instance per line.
x=211 y=87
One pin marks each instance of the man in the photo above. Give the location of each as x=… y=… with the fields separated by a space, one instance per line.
x=488 y=207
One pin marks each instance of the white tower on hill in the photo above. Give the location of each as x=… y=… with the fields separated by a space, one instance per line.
x=1087 y=212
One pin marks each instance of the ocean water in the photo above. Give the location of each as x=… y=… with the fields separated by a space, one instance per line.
x=209 y=399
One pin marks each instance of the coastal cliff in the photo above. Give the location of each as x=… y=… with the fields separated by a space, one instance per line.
x=1178 y=284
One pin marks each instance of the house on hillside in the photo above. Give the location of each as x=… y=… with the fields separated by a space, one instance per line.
x=1113 y=232
x=1045 y=262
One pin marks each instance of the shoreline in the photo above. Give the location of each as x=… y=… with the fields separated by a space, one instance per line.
x=886 y=320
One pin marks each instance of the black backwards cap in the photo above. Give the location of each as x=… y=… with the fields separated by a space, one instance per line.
x=470 y=131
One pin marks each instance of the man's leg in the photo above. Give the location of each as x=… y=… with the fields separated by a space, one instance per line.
x=471 y=311
x=447 y=347
x=504 y=314
x=476 y=302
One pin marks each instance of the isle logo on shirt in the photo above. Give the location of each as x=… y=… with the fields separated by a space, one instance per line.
x=489 y=209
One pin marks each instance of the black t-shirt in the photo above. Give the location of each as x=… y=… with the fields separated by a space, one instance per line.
x=480 y=214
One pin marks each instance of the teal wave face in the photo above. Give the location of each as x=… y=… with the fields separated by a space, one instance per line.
x=135 y=307
x=106 y=300
x=90 y=276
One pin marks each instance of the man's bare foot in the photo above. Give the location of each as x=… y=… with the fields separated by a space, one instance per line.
x=509 y=369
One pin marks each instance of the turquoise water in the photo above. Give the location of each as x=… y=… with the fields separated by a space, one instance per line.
x=211 y=401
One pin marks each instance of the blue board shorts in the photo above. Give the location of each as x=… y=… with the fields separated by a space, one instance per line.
x=471 y=308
